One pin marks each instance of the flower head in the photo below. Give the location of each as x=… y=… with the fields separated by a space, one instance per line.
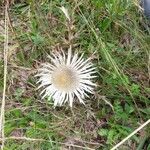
x=67 y=77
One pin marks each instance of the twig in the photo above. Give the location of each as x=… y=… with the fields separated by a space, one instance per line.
x=134 y=132
x=2 y=115
x=43 y=140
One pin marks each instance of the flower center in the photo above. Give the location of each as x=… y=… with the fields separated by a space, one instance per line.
x=64 y=79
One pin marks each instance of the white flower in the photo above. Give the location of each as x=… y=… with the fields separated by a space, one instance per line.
x=66 y=78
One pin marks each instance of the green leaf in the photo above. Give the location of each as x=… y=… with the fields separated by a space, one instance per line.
x=111 y=135
x=103 y=132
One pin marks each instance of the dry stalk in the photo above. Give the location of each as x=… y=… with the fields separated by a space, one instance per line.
x=2 y=115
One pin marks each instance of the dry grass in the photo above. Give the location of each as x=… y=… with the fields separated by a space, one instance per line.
x=117 y=39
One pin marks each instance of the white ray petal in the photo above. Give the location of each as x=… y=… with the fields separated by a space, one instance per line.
x=71 y=96
x=87 y=76
x=77 y=61
x=74 y=59
x=78 y=96
x=81 y=64
x=49 y=66
x=89 y=70
x=63 y=96
x=87 y=82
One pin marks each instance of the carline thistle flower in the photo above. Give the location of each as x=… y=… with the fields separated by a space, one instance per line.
x=66 y=78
